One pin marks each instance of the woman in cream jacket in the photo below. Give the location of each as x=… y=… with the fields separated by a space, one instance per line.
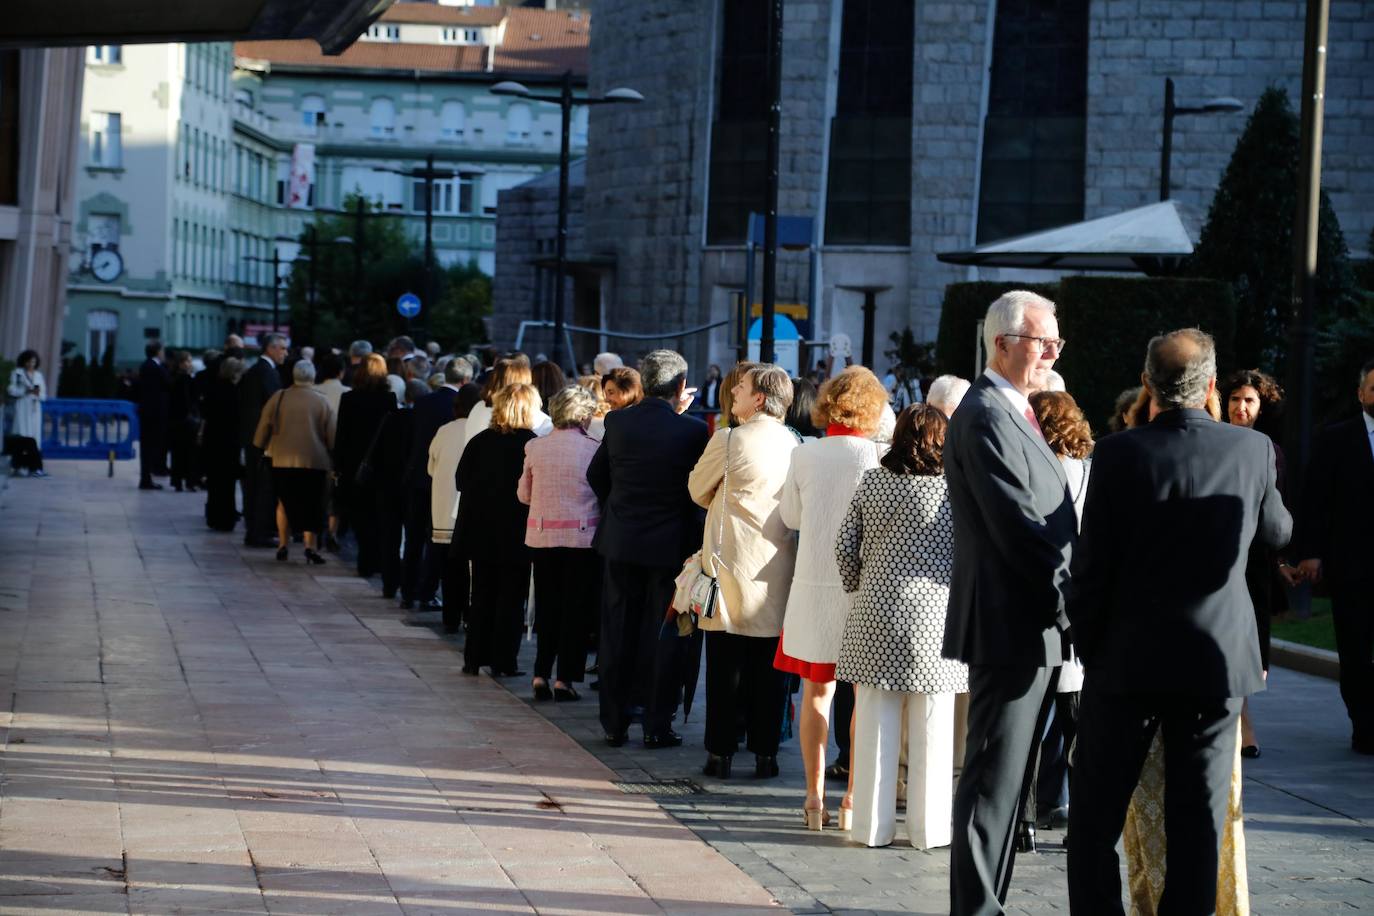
x=751 y=551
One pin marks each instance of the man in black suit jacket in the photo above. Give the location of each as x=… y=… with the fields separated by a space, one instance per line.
x=424 y=559
x=649 y=526
x=154 y=399
x=259 y=382
x=1334 y=541
x=1159 y=574
x=1014 y=528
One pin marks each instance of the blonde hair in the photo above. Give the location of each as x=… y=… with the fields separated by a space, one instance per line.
x=593 y=385
x=514 y=406
x=854 y=398
x=506 y=372
x=571 y=407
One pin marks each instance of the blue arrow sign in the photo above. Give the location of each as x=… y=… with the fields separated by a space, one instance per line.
x=408 y=305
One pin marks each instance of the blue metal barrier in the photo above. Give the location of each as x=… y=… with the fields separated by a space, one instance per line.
x=89 y=428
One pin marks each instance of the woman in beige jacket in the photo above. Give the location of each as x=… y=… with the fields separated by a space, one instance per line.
x=748 y=548
x=296 y=430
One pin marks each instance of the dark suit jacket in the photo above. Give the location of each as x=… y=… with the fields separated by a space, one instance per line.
x=1014 y=529
x=640 y=475
x=1336 y=515
x=361 y=413
x=258 y=384
x=431 y=412
x=1158 y=599
x=154 y=394
x=491 y=520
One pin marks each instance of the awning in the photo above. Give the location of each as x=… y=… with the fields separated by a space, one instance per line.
x=1154 y=239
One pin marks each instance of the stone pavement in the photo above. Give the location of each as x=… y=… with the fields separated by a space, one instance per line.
x=192 y=727
x=196 y=727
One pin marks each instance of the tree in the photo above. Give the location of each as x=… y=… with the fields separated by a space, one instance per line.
x=1248 y=237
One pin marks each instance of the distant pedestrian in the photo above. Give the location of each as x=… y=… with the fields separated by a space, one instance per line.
x=357 y=352
x=154 y=396
x=603 y=363
x=28 y=391
x=183 y=418
x=220 y=444
x=259 y=382
x=364 y=415
x=296 y=431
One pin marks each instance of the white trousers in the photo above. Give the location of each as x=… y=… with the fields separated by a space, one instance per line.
x=878 y=719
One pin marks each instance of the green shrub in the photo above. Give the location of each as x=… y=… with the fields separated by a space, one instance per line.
x=964 y=306
x=1107 y=322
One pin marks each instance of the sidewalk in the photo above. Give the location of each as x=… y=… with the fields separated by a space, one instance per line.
x=193 y=727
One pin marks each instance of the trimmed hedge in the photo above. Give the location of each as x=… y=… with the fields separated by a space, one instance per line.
x=964 y=306
x=1108 y=321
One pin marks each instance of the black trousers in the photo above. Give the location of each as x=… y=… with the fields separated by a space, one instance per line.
x=1352 y=612
x=24 y=453
x=152 y=452
x=497 y=615
x=1114 y=736
x=565 y=583
x=361 y=511
x=390 y=522
x=185 y=466
x=419 y=571
x=457 y=588
x=637 y=667
x=259 y=500
x=1008 y=706
x=741 y=679
x=221 y=512
x=1050 y=769
x=840 y=717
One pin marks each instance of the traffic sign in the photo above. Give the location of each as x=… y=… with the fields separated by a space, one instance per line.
x=408 y=305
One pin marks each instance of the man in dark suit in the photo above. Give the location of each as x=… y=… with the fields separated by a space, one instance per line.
x=1334 y=541
x=259 y=383
x=154 y=399
x=1014 y=528
x=1159 y=574
x=649 y=526
x=423 y=559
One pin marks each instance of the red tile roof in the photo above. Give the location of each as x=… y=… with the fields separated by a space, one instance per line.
x=368 y=55
x=547 y=41
x=433 y=14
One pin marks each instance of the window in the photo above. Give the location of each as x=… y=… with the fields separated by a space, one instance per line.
x=580 y=118
x=383 y=117
x=462 y=36
x=739 y=137
x=452 y=196
x=384 y=33
x=452 y=119
x=101 y=327
x=868 y=192
x=1034 y=138
x=243 y=97
x=102 y=231
x=105 y=54
x=105 y=143
x=518 y=124
x=312 y=113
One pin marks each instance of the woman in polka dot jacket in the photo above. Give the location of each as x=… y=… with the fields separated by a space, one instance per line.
x=895 y=551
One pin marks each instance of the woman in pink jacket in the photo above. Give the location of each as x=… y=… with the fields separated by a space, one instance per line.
x=563 y=517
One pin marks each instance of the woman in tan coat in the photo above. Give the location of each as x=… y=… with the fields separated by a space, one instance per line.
x=296 y=430
x=748 y=548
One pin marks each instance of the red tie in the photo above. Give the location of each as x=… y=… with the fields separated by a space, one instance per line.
x=1035 y=424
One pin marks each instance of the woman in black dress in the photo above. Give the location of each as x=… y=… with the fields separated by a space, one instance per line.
x=491 y=531
x=220 y=445
x=362 y=411
x=183 y=421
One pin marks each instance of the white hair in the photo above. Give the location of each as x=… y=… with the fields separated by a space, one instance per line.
x=303 y=371
x=946 y=392
x=1007 y=315
x=605 y=362
x=1054 y=382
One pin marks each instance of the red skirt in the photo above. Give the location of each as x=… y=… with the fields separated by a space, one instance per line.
x=818 y=672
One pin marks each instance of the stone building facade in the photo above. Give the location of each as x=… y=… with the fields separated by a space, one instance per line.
x=1014 y=120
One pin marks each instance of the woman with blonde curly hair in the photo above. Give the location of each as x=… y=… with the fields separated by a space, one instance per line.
x=815 y=496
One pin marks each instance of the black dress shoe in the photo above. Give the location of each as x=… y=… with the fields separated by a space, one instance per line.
x=718 y=765
x=669 y=738
x=542 y=692
x=837 y=771
x=765 y=767
x=1025 y=837
x=616 y=740
x=433 y=604
x=566 y=694
x=1250 y=752
x=471 y=669
x=149 y=485
x=407 y=604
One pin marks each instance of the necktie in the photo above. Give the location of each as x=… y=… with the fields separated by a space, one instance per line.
x=1035 y=424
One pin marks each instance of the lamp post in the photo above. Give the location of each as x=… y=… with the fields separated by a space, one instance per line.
x=429 y=174
x=1166 y=149
x=276 y=263
x=565 y=100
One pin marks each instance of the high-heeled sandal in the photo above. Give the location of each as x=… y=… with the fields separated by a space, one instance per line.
x=847 y=816
x=816 y=818
x=312 y=558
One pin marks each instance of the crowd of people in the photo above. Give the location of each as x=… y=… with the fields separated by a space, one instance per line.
x=969 y=592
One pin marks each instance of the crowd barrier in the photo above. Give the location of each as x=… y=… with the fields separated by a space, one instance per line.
x=90 y=429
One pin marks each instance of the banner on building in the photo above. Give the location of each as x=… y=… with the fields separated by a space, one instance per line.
x=302 y=176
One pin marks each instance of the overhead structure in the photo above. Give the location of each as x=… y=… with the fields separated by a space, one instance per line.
x=334 y=24
x=1155 y=239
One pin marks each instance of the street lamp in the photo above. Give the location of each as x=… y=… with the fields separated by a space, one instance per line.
x=565 y=100
x=1213 y=106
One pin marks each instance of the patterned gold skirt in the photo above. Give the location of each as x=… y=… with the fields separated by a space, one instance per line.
x=1143 y=839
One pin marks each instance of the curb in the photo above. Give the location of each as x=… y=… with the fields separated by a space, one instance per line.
x=1307 y=659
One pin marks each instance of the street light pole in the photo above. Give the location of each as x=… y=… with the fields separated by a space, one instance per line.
x=1166 y=147
x=770 y=214
x=276 y=290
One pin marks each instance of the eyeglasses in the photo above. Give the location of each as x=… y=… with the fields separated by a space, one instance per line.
x=1046 y=343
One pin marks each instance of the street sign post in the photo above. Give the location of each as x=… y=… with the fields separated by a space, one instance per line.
x=408 y=305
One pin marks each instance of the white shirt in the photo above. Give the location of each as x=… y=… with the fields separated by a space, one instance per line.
x=1369 y=428
x=1018 y=401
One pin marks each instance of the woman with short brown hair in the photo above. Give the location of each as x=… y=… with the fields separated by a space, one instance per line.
x=622 y=387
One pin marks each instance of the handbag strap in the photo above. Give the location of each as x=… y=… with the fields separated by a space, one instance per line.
x=276 y=419
x=724 y=494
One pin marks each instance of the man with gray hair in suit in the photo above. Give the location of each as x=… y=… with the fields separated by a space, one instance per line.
x=1014 y=528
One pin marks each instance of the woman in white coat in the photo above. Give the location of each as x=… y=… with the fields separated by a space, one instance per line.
x=739 y=478
x=28 y=391
x=895 y=552
x=815 y=496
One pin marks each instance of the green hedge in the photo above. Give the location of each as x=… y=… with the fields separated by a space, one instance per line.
x=1107 y=322
x=964 y=306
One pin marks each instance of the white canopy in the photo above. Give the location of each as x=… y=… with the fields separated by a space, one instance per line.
x=1153 y=239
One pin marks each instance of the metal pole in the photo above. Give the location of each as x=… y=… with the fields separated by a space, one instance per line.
x=770 y=216
x=1166 y=148
x=357 y=264
x=870 y=309
x=429 y=237
x=560 y=270
x=276 y=290
x=1302 y=349
x=309 y=336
